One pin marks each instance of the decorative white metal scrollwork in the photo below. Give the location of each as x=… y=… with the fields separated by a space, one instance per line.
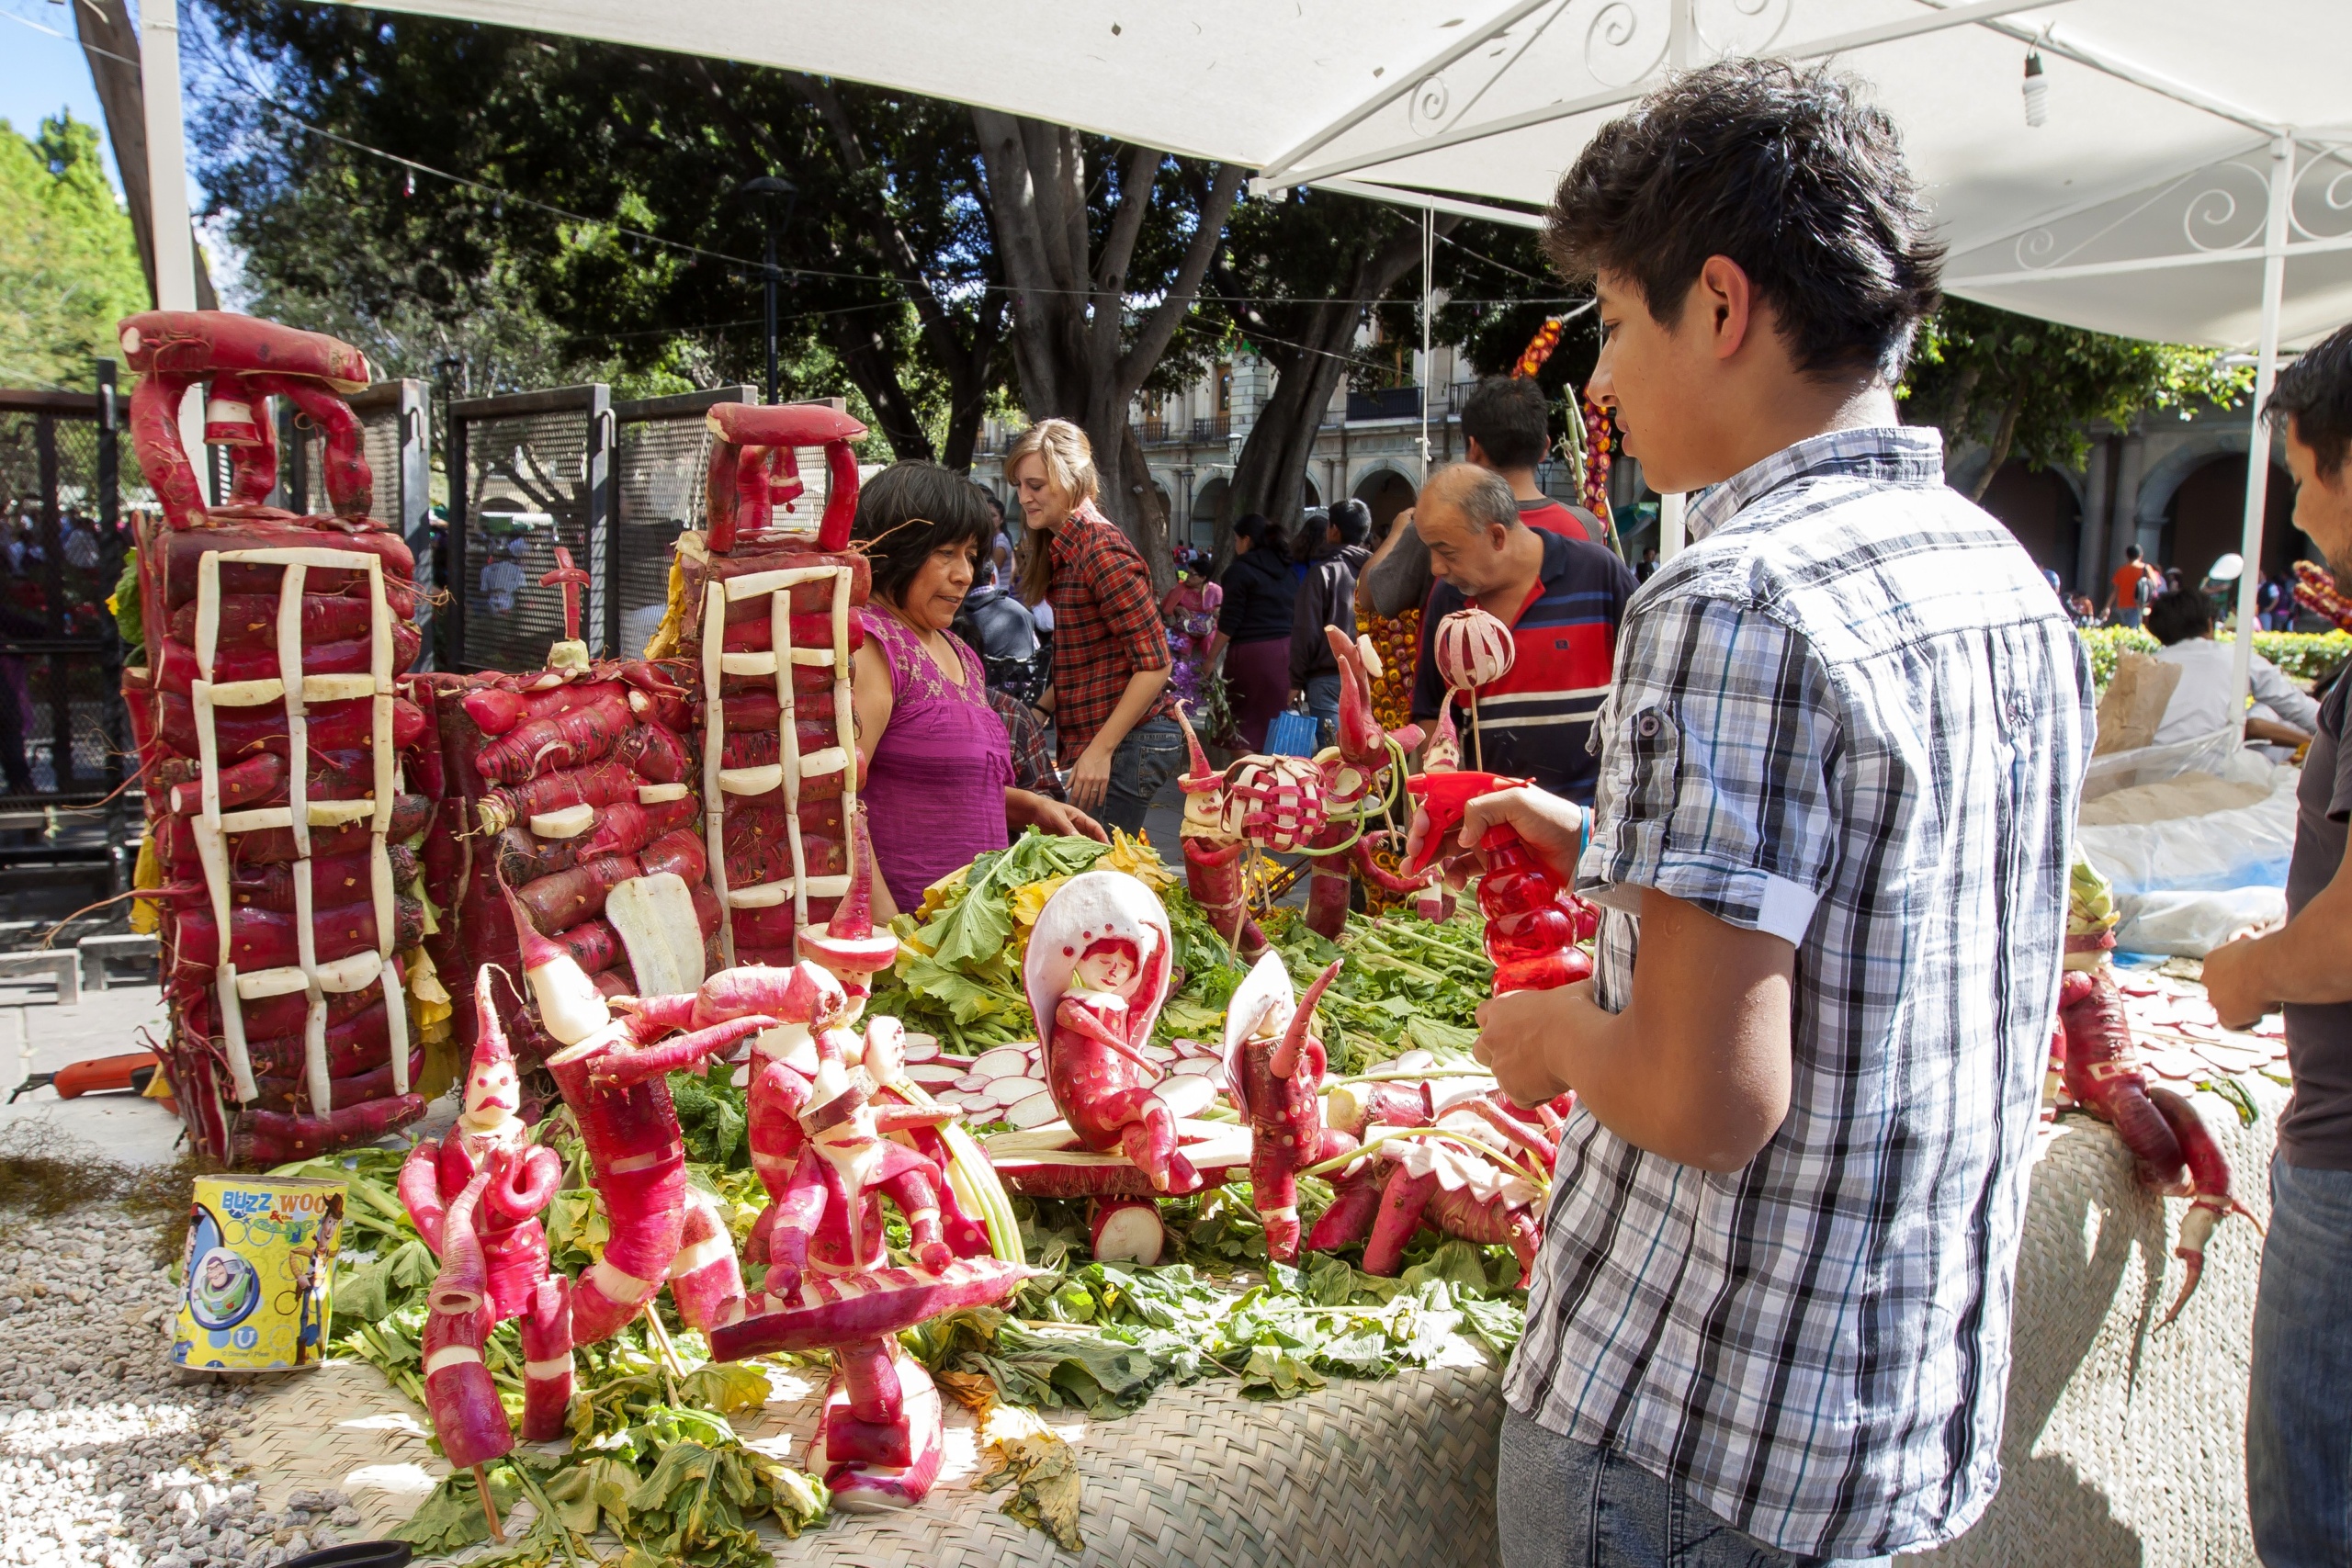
x=2227 y=214
x=1429 y=101
x=2321 y=205
x=2036 y=249
x=1625 y=40
x=1738 y=27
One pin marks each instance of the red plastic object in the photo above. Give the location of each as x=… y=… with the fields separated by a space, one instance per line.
x=753 y=445
x=571 y=580
x=1531 y=921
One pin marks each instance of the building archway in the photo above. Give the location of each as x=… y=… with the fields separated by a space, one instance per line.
x=2043 y=511
x=1387 y=490
x=1205 y=500
x=2204 y=518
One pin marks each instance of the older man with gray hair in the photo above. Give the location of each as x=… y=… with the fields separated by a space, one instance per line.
x=1562 y=600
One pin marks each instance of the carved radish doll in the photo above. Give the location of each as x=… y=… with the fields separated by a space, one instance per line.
x=1097 y=975
x=1275 y=1067
x=831 y=1285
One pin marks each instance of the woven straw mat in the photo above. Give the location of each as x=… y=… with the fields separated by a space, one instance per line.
x=2124 y=1445
x=1382 y=1474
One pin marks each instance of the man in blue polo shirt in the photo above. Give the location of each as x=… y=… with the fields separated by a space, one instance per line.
x=1563 y=599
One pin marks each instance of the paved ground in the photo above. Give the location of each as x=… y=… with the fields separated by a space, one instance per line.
x=38 y=1036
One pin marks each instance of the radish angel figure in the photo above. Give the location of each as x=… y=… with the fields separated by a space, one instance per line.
x=1097 y=975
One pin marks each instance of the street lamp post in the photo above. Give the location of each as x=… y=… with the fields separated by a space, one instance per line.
x=770 y=190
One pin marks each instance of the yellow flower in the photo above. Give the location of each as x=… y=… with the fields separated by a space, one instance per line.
x=1029 y=902
x=1139 y=860
x=940 y=894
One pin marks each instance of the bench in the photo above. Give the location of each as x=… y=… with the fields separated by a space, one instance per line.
x=121 y=947
x=61 y=967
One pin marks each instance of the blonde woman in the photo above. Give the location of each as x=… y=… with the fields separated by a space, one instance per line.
x=1115 y=723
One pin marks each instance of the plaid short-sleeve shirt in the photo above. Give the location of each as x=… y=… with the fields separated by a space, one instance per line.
x=1851 y=714
x=1106 y=627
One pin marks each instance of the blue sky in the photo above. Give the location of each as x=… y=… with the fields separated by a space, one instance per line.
x=40 y=75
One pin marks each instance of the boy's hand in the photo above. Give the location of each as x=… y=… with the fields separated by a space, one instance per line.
x=1553 y=829
x=1513 y=1030
x=2232 y=984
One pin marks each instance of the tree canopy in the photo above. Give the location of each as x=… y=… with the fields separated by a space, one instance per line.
x=69 y=266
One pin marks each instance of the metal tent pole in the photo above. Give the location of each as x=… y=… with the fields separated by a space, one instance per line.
x=2258 y=453
x=159 y=71
x=1428 y=267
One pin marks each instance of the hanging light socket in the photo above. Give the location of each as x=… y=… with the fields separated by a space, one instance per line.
x=2037 y=90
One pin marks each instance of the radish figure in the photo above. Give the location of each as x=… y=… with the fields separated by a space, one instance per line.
x=489 y=1137
x=1097 y=976
x=831 y=1285
x=1274 y=1068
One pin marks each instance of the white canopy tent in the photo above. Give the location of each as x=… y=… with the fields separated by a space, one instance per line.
x=2191 y=182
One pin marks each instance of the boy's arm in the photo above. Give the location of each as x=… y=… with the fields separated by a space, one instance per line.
x=1695 y=1068
x=2308 y=960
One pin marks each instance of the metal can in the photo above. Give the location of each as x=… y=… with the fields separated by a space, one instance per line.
x=257 y=1273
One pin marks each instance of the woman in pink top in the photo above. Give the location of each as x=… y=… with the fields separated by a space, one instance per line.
x=938 y=765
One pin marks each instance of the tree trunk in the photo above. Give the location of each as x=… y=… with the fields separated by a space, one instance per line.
x=110 y=43
x=873 y=365
x=1081 y=355
x=1267 y=478
x=2003 y=436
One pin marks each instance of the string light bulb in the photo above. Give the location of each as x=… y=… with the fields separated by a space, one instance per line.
x=2037 y=90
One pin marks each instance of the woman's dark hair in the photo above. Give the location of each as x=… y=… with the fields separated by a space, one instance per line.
x=2315 y=392
x=2178 y=615
x=911 y=509
x=1785 y=170
x=1508 y=417
x=1262 y=535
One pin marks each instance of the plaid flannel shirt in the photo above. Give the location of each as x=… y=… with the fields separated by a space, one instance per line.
x=1106 y=627
x=1850 y=713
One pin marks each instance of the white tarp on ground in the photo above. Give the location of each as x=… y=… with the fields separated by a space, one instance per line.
x=2162 y=115
x=2195 y=838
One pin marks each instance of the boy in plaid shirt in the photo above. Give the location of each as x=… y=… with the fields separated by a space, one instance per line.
x=1839 y=760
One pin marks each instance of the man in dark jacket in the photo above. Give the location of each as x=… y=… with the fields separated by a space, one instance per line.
x=1327 y=598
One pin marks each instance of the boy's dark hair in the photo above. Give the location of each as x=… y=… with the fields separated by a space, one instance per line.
x=1505 y=415
x=911 y=509
x=1353 y=520
x=2315 y=391
x=1785 y=170
x=2131 y=552
x=2178 y=615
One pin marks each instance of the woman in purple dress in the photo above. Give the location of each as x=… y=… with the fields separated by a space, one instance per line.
x=939 y=783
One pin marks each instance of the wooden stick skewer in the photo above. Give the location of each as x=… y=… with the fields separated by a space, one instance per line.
x=489 y=1508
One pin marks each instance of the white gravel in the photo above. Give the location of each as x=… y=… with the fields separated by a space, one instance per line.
x=109 y=1455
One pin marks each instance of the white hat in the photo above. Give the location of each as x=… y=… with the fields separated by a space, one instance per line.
x=2229 y=569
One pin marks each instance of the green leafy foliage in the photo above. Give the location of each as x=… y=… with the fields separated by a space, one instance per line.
x=69 y=266
x=714 y=1115
x=2031 y=388
x=129 y=619
x=2301 y=655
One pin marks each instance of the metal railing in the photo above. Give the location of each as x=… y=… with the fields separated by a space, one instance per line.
x=1389 y=402
x=1215 y=427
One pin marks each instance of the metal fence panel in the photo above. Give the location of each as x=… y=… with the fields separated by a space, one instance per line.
x=663 y=450
x=529 y=472
x=62 y=730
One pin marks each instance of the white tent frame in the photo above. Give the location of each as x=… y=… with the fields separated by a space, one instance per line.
x=1351 y=174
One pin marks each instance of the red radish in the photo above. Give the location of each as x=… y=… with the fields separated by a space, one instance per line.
x=496 y=710
x=547 y=1361
x=331 y=726
x=420 y=1192
x=679 y=851
x=459 y=1394
x=253 y=780
x=600 y=783
x=1275 y=1067
x=265 y=939
x=705 y=1280
x=570 y=738
x=807 y=631
x=1352 y=1108
x=660 y=755
x=1127 y=1230
x=268 y=1017
x=1401 y=1202
x=569 y=1005
x=1215 y=864
x=2103 y=1077
x=847 y=945
x=293 y=1093
x=620 y=1068
x=2209 y=1179
x=756 y=711
x=353 y=1046
x=175 y=846
x=559 y=902
x=1487 y=1222
x=334 y=879
x=250 y=620
x=1355 y=1204
x=183 y=553
x=637 y=1162
x=265 y=1138
x=176 y=670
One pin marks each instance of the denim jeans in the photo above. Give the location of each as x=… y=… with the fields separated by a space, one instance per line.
x=1152 y=753
x=1562 y=1504
x=1323 y=703
x=2299 y=1414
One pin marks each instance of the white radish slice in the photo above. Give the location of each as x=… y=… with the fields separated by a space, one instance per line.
x=1128 y=1230
x=1034 y=1112
x=1198 y=1066
x=1004 y=1061
x=655 y=917
x=930 y=1076
x=1413 y=1062
x=1187 y=1096
x=973 y=1083
x=920 y=1047
x=1157 y=1053
x=961 y=1064
x=1010 y=1092
x=661 y=793
x=568 y=823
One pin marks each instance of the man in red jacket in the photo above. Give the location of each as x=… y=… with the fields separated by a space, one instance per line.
x=1506 y=428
